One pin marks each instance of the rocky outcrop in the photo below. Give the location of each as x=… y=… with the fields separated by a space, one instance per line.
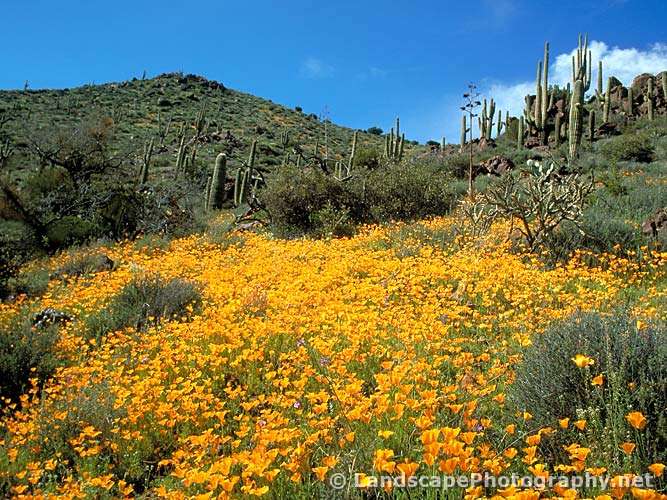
x=656 y=224
x=498 y=165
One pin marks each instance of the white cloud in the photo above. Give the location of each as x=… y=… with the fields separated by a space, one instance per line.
x=500 y=10
x=315 y=68
x=624 y=64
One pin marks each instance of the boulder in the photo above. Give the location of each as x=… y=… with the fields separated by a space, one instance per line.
x=640 y=83
x=656 y=224
x=497 y=165
x=50 y=316
x=607 y=129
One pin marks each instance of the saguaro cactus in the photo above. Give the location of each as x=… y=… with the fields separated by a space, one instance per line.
x=576 y=118
x=519 y=135
x=244 y=177
x=649 y=100
x=146 y=160
x=557 y=128
x=591 y=126
x=217 y=191
x=631 y=98
x=607 y=102
x=394 y=144
x=581 y=64
x=545 y=88
x=353 y=152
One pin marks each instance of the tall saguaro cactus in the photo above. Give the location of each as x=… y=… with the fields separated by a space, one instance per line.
x=607 y=102
x=581 y=64
x=244 y=177
x=217 y=190
x=631 y=98
x=394 y=144
x=649 y=100
x=146 y=161
x=545 y=88
x=576 y=118
x=353 y=152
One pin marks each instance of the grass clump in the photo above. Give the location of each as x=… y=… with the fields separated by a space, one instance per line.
x=625 y=371
x=144 y=302
x=84 y=265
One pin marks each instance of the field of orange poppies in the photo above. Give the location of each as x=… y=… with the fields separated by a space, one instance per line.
x=386 y=353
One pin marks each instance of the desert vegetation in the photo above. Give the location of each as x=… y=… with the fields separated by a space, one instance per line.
x=205 y=294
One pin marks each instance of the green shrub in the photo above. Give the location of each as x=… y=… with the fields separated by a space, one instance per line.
x=408 y=192
x=330 y=221
x=144 y=302
x=457 y=165
x=26 y=351
x=17 y=246
x=32 y=283
x=70 y=230
x=638 y=147
x=550 y=386
x=306 y=201
x=294 y=196
x=367 y=158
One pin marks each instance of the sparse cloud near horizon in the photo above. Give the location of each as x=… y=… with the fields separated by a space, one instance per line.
x=623 y=63
x=315 y=68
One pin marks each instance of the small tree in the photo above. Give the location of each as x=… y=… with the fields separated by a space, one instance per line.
x=471 y=104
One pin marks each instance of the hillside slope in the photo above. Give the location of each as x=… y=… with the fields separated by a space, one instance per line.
x=169 y=104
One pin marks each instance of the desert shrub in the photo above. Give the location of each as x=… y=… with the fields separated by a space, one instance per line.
x=32 y=282
x=170 y=209
x=637 y=147
x=26 y=351
x=456 y=165
x=408 y=192
x=85 y=264
x=367 y=158
x=309 y=202
x=294 y=196
x=17 y=245
x=144 y=302
x=633 y=365
x=330 y=221
x=70 y=230
x=375 y=131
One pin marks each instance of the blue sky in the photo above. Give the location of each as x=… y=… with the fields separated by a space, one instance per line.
x=365 y=61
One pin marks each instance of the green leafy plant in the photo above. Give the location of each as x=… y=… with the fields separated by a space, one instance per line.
x=630 y=359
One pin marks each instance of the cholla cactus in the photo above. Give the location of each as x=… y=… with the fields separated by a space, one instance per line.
x=540 y=202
